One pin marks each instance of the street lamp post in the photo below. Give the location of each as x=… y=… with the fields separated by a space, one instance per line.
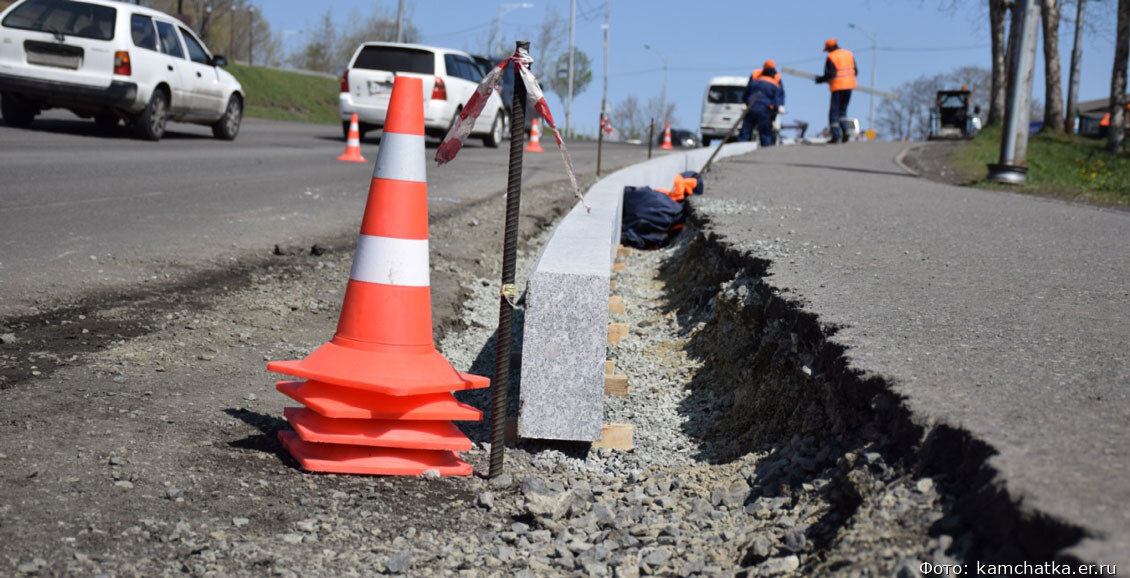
x=663 y=95
x=874 y=57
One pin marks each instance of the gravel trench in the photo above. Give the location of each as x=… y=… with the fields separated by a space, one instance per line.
x=161 y=456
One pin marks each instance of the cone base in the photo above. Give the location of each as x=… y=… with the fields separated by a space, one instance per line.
x=534 y=149
x=348 y=403
x=341 y=459
x=352 y=158
x=387 y=371
x=666 y=147
x=419 y=435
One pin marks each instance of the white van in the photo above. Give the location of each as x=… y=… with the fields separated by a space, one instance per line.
x=112 y=61
x=721 y=106
x=450 y=78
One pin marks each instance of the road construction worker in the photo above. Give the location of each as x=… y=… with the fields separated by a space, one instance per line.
x=840 y=72
x=764 y=95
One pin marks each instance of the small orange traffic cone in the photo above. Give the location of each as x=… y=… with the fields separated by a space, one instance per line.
x=535 y=138
x=378 y=396
x=353 y=144
x=666 y=138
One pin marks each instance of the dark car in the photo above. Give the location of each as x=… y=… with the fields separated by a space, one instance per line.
x=680 y=138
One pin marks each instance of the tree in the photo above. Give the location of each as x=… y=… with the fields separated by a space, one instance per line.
x=558 y=83
x=547 y=42
x=629 y=118
x=1117 y=133
x=1076 y=66
x=317 y=53
x=1053 y=80
x=998 y=9
x=662 y=112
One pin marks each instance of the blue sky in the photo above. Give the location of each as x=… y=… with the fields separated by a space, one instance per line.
x=707 y=38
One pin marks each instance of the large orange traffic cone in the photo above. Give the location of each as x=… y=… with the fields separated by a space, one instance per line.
x=353 y=143
x=666 y=138
x=378 y=396
x=535 y=138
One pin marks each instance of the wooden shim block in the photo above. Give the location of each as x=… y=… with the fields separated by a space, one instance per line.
x=609 y=367
x=616 y=385
x=617 y=331
x=612 y=285
x=623 y=251
x=619 y=266
x=615 y=436
x=616 y=305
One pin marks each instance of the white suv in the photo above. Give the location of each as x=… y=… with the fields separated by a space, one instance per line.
x=112 y=61
x=449 y=76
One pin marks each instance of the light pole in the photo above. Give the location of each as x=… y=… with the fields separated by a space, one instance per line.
x=663 y=95
x=400 y=21
x=874 y=57
x=572 y=41
x=502 y=10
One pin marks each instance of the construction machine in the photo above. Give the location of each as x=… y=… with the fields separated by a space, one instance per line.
x=950 y=118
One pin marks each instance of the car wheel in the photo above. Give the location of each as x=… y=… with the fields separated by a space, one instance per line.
x=494 y=137
x=228 y=126
x=150 y=124
x=705 y=141
x=106 y=122
x=345 y=130
x=16 y=113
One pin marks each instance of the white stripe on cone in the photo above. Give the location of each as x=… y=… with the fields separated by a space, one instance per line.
x=352 y=142
x=401 y=158
x=391 y=261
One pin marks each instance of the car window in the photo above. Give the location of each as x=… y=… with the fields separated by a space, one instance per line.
x=196 y=52
x=471 y=71
x=170 y=44
x=452 y=66
x=141 y=28
x=722 y=94
x=64 y=17
x=396 y=59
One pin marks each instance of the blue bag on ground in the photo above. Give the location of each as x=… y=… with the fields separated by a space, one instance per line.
x=648 y=217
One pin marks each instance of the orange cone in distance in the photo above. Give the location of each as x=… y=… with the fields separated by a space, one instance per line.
x=666 y=138
x=534 y=145
x=353 y=143
x=379 y=394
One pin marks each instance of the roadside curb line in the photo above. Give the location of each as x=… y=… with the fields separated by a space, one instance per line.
x=901 y=157
x=566 y=322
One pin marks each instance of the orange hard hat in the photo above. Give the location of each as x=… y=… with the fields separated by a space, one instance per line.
x=770 y=64
x=829 y=44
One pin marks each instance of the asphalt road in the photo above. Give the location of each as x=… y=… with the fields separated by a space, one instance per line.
x=1004 y=314
x=81 y=210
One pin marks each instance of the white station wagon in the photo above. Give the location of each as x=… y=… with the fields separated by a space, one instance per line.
x=449 y=76
x=112 y=61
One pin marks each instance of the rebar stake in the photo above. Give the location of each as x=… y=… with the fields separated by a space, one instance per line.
x=650 y=137
x=501 y=380
x=599 y=143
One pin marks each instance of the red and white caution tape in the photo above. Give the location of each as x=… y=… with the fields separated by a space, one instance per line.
x=459 y=132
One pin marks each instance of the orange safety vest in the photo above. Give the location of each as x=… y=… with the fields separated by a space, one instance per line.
x=844 y=62
x=683 y=188
x=775 y=79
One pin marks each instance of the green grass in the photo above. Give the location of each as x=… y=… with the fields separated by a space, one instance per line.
x=281 y=95
x=1065 y=166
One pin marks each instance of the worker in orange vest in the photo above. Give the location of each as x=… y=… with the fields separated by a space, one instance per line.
x=764 y=95
x=839 y=72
